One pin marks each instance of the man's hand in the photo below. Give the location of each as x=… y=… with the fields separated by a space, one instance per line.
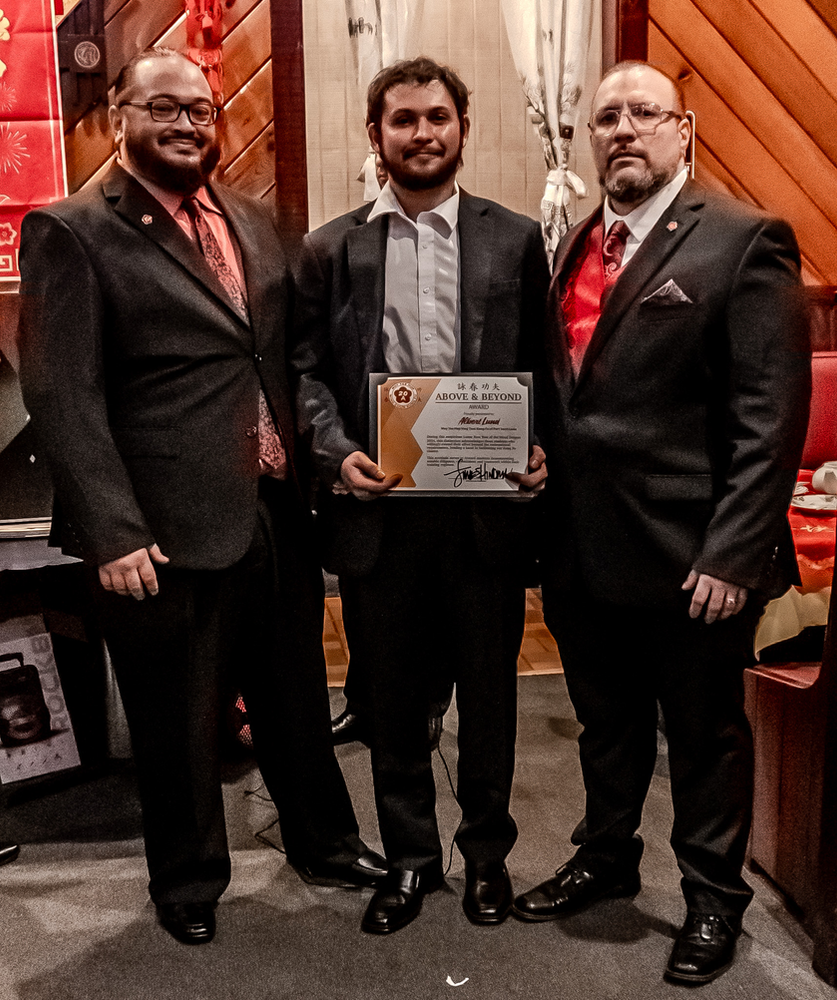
x=127 y=574
x=364 y=479
x=721 y=599
x=534 y=480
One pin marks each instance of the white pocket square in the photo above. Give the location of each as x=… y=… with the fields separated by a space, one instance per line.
x=668 y=294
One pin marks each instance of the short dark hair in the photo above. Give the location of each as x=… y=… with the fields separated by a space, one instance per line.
x=126 y=74
x=422 y=71
x=679 y=96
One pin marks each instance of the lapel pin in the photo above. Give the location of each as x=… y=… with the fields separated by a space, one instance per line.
x=671 y=226
x=147 y=220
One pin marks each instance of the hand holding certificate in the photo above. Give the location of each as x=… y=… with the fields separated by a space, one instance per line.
x=444 y=434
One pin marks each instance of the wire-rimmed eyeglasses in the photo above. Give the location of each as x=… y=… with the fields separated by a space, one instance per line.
x=199 y=113
x=644 y=119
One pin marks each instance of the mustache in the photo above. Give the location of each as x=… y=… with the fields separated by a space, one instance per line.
x=408 y=154
x=625 y=151
x=198 y=139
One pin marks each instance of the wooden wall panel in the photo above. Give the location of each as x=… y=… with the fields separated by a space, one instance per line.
x=827 y=10
x=762 y=77
x=131 y=25
x=503 y=159
x=252 y=170
x=802 y=28
x=772 y=60
x=723 y=132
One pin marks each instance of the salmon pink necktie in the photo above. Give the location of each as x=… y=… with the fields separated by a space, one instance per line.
x=273 y=460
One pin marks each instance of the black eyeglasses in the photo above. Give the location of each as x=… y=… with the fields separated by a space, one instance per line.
x=199 y=113
x=644 y=118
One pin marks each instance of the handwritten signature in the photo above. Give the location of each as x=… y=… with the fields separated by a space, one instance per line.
x=476 y=473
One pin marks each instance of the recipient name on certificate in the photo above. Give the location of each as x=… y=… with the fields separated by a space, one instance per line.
x=447 y=434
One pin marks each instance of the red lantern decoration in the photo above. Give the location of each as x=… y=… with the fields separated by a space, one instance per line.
x=204 y=33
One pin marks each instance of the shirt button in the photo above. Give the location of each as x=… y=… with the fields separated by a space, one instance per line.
x=257 y=358
x=424 y=246
x=425 y=290
x=251 y=432
x=427 y=336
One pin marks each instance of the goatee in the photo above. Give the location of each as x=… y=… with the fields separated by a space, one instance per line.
x=632 y=190
x=410 y=181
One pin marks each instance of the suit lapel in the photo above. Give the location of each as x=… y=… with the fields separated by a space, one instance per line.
x=476 y=247
x=367 y=248
x=141 y=209
x=671 y=229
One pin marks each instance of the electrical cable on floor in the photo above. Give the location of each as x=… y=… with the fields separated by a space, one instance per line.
x=453 y=792
x=259 y=834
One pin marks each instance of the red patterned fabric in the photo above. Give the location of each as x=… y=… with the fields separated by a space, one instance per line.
x=32 y=169
x=272 y=456
x=583 y=296
x=613 y=249
x=204 y=32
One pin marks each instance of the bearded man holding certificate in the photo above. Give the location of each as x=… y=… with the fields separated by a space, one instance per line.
x=425 y=280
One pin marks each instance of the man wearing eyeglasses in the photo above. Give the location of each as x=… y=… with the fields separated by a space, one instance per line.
x=681 y=380
x=154 y=309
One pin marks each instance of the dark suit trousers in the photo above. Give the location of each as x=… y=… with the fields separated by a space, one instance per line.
x=619 y=662
x=431 y=596
x=255 y=627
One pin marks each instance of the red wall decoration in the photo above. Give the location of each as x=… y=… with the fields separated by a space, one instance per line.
x=32 y=169
x=204 y=34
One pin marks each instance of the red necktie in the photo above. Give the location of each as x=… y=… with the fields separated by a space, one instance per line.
x=613 y=249
x=273 y=460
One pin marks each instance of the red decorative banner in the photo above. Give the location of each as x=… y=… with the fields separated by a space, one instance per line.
x=204 y=34
x=32 y=168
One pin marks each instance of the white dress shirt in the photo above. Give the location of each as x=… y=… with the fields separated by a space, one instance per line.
x=421 y=299
x=643 y=219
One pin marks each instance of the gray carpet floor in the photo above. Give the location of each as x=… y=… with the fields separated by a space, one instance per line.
x=77 y=925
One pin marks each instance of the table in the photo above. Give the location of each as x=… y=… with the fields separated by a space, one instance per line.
x=805 y=605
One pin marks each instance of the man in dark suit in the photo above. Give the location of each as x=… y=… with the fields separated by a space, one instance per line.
x=425 y=279
x=153 y=363
x=682 y=375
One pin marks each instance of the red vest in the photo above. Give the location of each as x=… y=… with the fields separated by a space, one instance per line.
x=582 y=301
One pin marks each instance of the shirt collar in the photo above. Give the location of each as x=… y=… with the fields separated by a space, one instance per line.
x=170 y=200
x=643 y=218
x=447 y=213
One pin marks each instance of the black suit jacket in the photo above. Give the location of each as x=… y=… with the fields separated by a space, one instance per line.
x=503 y=282
x=678 y=444
x=141 y=376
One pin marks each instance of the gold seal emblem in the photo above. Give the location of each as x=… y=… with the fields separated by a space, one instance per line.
x=403 y=394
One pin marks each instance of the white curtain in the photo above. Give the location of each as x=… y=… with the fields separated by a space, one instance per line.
x=380 y=32
x=550 y=40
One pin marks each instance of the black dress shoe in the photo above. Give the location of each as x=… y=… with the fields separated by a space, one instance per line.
x=488 y=893
x=190 y=923
x=349 y=727
x=366 y=870
x=572 y=889
x=8 y=852
x=704 y=949
x=399 y=898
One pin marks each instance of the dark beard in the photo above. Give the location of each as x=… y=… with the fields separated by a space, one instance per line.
x=423 y=182
x=184 y=179
x=628 y=192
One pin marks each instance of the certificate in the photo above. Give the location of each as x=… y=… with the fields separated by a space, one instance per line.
x=449 y=434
